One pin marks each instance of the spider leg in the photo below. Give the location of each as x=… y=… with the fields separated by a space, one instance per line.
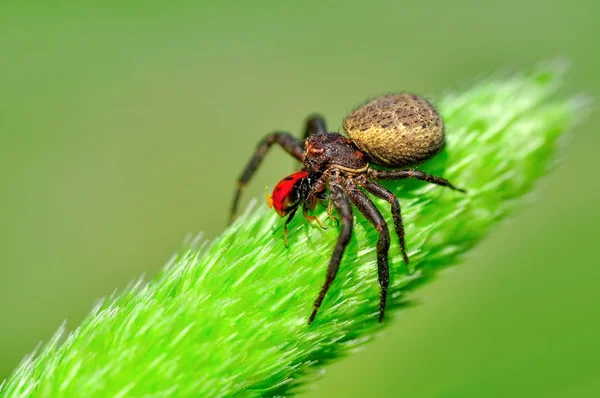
x=411 y=173
x=368 y=208
x=288 y=142
x=377 y=190
x=315 y=124
x=342 y=204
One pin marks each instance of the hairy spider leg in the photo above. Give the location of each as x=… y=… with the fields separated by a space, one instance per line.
x=343 y=206
x=371 y=213
x=288 y=142
x=411 y=173
x=292 y=145
x=379 y=191
x=315 y=124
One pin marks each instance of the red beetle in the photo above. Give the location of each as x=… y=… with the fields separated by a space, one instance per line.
x=289 y=194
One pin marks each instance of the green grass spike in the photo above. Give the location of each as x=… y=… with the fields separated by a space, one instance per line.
x=230 y=318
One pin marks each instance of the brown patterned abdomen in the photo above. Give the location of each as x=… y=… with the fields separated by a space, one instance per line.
x=397 y=130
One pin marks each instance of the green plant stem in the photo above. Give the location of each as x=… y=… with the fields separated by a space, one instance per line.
x=231 y=319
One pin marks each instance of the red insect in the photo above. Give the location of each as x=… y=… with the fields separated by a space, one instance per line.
x=394 y=131
x=288 y=195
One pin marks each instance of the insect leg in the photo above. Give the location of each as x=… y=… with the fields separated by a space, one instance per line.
x=285 y=226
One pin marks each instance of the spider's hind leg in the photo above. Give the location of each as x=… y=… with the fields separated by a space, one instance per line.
x=411 y=173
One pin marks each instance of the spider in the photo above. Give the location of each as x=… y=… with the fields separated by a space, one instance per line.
x=393 y=131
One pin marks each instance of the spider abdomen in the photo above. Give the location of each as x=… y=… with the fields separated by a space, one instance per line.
x=396 y=130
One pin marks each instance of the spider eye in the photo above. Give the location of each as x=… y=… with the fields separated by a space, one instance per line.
x=314 y=149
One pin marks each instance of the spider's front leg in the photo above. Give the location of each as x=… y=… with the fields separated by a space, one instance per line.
x=343 y=206
x=288 y=142
x=371 y=213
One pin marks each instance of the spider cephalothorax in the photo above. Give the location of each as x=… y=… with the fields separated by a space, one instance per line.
x=393 y=131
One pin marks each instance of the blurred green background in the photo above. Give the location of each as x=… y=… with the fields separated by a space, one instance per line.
x=123 y=128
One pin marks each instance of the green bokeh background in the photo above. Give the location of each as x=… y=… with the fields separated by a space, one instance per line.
x=123 y=128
